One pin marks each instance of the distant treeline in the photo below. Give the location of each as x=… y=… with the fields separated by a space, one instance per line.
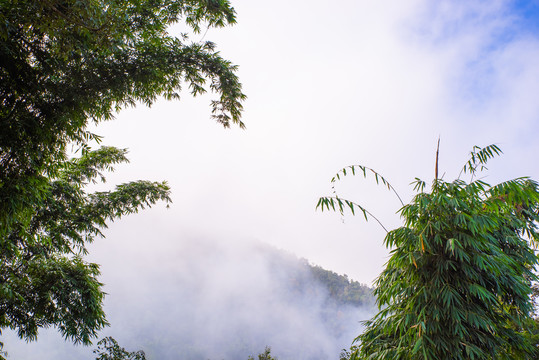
x=341 y=288
x=302 y=277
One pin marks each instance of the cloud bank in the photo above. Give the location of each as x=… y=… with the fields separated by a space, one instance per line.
x=205 y=299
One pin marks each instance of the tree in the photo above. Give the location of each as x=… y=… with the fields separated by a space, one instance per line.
x=458 y=281
x=108 y=349
x=44 y=278
x=266 y=355
x=347 y=353
x=64 y=64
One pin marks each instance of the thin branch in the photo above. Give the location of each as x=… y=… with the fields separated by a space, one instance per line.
x=364 y=169
x=329 y=202
x=436 y=166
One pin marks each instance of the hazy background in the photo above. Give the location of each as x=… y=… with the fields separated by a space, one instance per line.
x=206 y=299
x=334 y=83
x=330 y=83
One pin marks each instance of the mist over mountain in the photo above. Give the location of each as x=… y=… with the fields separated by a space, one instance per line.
x=206 y=299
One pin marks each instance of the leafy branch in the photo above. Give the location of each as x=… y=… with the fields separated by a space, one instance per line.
x=458 y=283
x=334 y=202
x=365 y=171
x=478 y=158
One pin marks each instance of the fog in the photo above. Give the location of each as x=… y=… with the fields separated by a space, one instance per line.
x=329 y=84
x=199 y=298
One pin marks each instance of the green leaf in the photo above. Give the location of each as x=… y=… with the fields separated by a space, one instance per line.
x=458 y=281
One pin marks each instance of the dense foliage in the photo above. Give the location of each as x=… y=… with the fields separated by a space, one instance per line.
x=459 y=279
x=64 y=64
x=342 y=289
x=108 y=349
x=266 y=355
x=45 y=280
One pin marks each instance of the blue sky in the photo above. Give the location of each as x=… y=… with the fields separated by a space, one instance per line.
x=528 y=15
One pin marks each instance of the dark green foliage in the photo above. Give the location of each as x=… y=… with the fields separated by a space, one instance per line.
x=301 y=277
x=458 y=282
x=342 y=293
x=64 y=63
x=266 y=355
x=108 y=349
x=341 y=289
x=44 y=279
x=347 y=353
x=531 y=327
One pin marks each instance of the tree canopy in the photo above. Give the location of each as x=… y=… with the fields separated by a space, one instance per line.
x=44 y=278
x=266 y=355
x=63 y=65
x=458 y=283
x=108 y=349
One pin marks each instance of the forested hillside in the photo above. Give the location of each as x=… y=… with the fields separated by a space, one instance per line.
x=306 y=278
x=342 y=289
x=222 y=301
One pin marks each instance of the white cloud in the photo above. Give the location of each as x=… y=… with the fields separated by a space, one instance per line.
x=330 y=84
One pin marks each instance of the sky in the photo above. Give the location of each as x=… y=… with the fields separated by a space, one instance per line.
x=329 y=84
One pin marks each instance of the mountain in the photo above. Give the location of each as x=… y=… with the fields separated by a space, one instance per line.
x=202 y=299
